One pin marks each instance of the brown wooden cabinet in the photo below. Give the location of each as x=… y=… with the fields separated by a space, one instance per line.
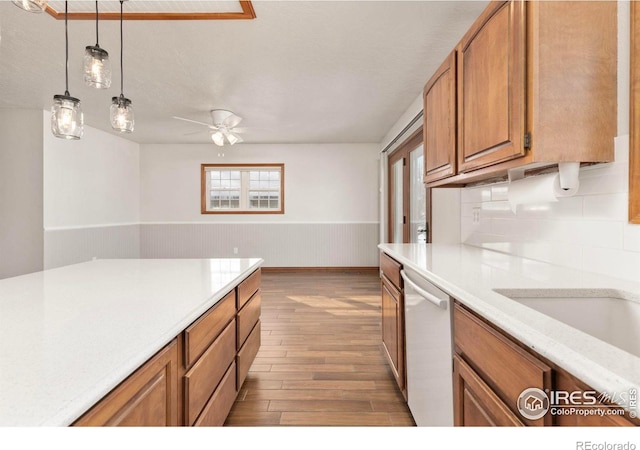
x=196 y=378
x=440 y=122
x=536 y=85
x=146 y=398
x=491 y=370
x=502 y=365
x=491 y=86
x=393 y=338
x=475 y=403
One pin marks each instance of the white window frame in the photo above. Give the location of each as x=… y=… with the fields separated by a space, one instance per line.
x=244 y=206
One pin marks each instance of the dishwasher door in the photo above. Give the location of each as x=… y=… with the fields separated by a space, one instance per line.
x=428 y=351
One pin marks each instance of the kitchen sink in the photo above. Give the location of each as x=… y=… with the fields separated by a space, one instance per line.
x=610 y=315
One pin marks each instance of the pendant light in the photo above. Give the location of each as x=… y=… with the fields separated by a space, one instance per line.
x=97 y=68
x=34 y=6
x=66 y=114
x=121 y=112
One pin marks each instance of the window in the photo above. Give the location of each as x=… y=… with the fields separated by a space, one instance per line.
x=242 y=189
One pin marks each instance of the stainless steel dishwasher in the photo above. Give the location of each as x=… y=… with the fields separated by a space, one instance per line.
x=428 y=351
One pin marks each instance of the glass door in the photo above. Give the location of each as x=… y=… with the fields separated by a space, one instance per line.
x=408 y=198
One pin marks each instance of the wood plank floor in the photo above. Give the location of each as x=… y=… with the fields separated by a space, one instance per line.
x=321 y=362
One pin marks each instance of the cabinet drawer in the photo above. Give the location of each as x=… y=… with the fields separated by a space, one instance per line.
x=201 y=380
x=247 y=288
x=503 y=365
x=204 y=330
x=247 y=354
x=391 y=268
x=215 y=412
x=248 y=317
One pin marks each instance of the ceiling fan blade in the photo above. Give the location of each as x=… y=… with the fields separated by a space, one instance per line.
x=232 y=121
x=239 y=130
x=193 y=121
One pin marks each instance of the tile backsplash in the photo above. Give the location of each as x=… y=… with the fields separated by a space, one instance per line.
x=588 y=231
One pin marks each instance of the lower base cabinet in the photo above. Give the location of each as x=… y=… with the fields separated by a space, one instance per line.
x=491 y=371
x=195 y=379
x=149 y=397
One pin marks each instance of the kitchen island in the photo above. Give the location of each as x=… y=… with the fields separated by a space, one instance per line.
x=72 y=334
x=487 y=284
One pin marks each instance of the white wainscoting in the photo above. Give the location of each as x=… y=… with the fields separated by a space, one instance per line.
x=279 y=244
x=66 y=246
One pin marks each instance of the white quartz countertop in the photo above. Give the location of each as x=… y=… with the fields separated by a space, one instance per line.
x=470 y=275
x=70 y=335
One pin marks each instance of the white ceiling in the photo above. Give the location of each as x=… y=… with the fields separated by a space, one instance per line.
x=301 y=72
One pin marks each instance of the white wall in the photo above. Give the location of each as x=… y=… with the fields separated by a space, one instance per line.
x=589 y=231
x=93 y=181
x=331 y=210
x=91 y=197
x=21 y=236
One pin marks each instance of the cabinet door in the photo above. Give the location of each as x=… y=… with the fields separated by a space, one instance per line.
x=392 y=330
x=491 y=88
x=440 y=122
x=475 y=404
x=147 y=398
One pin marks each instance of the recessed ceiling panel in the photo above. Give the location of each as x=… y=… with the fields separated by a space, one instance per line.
x=155 y=10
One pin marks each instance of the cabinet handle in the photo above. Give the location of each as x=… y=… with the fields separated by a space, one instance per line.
x=440 y=303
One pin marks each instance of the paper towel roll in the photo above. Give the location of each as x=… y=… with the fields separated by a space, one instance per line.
x=538 y=189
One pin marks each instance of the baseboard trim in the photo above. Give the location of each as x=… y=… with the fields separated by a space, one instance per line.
x=320 y=269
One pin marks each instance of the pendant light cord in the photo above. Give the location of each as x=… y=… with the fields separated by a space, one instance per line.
x=97 y=39
x=66 y=41
x=121 y=58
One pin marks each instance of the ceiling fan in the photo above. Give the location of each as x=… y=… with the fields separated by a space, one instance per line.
x=223 y=128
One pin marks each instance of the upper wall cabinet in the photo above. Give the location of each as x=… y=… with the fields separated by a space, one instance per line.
x=535 y=85
x=634 y=126
x=440 y=122
x=491 y=87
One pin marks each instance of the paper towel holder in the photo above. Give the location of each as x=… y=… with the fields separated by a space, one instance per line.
x=569 y=174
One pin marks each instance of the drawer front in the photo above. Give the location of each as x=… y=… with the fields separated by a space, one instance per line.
x=247 y=288
x=217 y=408
x=503 y=365
x=204 y=330
x=391 y=268
x=248 y=317
x=201 y=380
x=247 y=354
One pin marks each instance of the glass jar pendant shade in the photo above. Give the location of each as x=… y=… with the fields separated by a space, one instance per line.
x=67 y=121
x=66 y=117
x=121 y=111
x=34 y=6
x=97 y=67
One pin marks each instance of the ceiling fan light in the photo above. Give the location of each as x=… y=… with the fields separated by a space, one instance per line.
x=217 y=138
x=97 y=67
x=67 y=120
x=33 y=6
x=121 y=114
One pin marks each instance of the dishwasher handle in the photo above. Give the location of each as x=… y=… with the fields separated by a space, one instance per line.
x=440 y=303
